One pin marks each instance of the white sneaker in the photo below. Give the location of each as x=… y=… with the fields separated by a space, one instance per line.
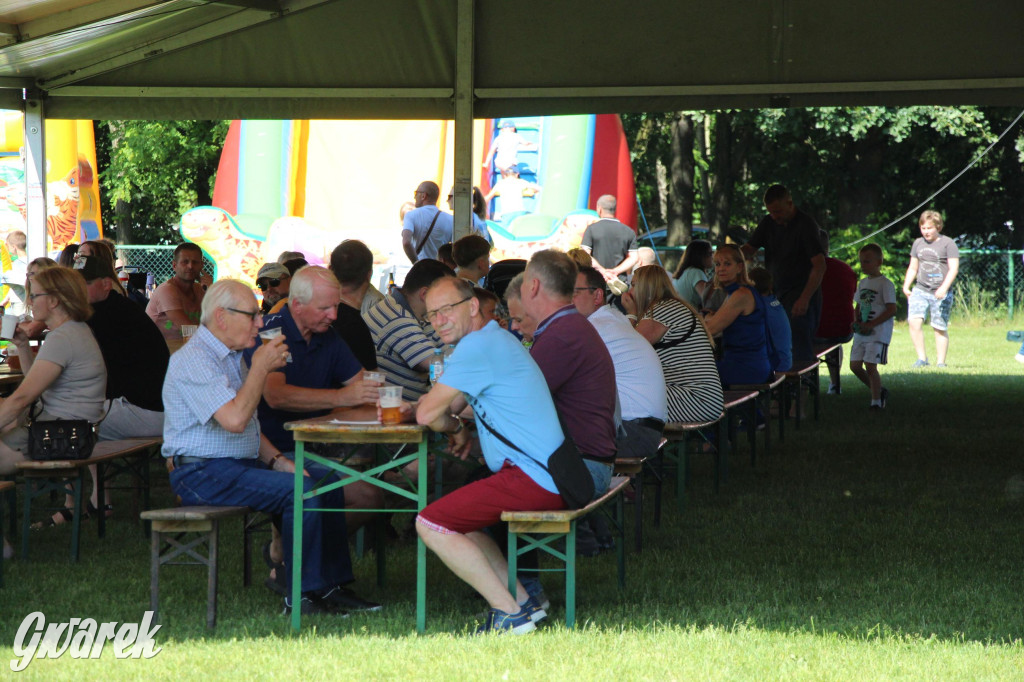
x=1019 y=357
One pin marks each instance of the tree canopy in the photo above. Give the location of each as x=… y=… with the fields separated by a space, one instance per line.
x=853 y=168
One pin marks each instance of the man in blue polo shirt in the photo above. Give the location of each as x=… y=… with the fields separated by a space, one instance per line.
x=323 y=375
x=492 y=373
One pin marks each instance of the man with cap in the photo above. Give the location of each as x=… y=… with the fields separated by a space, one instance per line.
x=274 y=281
x=135 y=354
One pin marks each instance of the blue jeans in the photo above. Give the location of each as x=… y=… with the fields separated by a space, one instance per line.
x=226 y=482
x=602 y=474
x=803 y=327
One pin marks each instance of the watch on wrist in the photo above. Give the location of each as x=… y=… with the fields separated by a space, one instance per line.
x=461 y=425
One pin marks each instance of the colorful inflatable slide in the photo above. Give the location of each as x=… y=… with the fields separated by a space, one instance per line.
x=72 y=186
x=307 y=185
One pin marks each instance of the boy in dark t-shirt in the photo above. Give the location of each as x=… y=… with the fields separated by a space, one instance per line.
x=934 y=263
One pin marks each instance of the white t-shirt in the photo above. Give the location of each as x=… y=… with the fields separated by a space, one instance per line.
x=873 y=295
x=638 y=374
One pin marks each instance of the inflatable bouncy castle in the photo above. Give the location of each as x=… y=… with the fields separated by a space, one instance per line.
x=72 y=186
x=307 y=185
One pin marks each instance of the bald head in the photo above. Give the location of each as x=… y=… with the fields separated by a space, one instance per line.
x=427 y=194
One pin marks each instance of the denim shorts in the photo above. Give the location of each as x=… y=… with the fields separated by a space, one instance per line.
x=923 y=305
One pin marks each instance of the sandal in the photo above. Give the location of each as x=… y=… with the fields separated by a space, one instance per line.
x=65 y=515
x=276 y=582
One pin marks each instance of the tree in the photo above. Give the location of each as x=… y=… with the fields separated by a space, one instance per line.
x=153 y=171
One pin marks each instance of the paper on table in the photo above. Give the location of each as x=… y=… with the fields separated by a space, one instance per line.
x=354 y=422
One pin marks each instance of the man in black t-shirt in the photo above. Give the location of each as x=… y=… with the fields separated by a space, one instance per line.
x=795 y=258
x=135 y=353
x=352 y=264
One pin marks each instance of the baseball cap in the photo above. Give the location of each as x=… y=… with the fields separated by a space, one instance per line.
x=272 y=271
x=92 y=268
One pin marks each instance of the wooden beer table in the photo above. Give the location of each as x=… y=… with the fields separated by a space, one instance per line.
x=358 y=426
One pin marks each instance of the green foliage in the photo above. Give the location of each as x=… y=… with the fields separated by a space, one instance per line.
x=159 y=170
x=851 y=167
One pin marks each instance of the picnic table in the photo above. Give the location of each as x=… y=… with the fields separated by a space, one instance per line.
x=359 y=426
x=10 y=379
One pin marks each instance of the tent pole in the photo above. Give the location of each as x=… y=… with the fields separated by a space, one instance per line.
x=35 y=177
x=464 y=165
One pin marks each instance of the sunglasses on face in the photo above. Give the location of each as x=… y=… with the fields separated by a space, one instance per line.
x=267 y=283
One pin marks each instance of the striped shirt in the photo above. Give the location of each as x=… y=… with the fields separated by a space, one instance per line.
x=202 y=377
x=402 y=343
x=691 y=376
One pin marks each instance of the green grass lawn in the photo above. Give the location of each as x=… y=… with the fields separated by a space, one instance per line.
x=872 y=546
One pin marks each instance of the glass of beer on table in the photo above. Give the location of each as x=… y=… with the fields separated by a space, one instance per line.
x=390 y=404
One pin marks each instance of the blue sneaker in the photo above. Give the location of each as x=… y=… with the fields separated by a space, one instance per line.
x=919 y=364
x=507 y=623
x=534 y=608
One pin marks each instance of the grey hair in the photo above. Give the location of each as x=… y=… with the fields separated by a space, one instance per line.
x=514 y=290
x=224 y=293
x=556 y=272
x=301 y=289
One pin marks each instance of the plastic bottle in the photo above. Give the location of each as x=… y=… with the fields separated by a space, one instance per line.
x=448 y=350
x=436 y=366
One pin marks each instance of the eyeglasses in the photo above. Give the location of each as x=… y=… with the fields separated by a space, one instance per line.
x=251 y=314
x=445 y=310
x=267 y=283
x=32 y=297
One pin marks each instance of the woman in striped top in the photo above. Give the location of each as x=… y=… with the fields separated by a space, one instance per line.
x=682 y=342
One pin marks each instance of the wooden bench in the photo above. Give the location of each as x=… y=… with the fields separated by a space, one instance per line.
x=766 y=394
x=6 y=488
x=551 y=525
x=796 y=376
x=110 y=457
x=182 y=532
x=633 y=469
x=678 y=436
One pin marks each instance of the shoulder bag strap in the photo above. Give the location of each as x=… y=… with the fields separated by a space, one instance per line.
x=509 y=443
x=689 y=332
x=423 y=241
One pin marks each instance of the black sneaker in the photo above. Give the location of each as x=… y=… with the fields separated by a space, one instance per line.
x=310 y=605
x=884 y=397
x=344 y=599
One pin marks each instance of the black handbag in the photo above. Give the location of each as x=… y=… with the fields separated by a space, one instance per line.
x=565 y=466
x=60 y=439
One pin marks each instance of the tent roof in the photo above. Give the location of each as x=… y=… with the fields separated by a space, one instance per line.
x=398 y=58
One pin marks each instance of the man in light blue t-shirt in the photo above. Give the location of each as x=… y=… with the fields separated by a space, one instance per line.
x=491 y=372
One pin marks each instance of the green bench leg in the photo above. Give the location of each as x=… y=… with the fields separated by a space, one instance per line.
x=570 y=576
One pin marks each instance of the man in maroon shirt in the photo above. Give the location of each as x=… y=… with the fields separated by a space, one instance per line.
x=575 y=361
x=838 y=286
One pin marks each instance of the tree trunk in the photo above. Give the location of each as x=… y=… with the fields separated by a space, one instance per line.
x=123 y=221
x=680 y=226
x=861 y=187
x=723 y=178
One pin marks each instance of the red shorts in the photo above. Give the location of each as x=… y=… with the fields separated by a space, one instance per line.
x=480 y=503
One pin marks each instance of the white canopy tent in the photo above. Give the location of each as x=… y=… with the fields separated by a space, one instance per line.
x=456 y=59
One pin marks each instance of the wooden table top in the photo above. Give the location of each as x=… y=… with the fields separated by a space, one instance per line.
x=363 y=427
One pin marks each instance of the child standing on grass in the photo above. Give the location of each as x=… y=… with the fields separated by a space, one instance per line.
x=934 y=263
x=875 y=303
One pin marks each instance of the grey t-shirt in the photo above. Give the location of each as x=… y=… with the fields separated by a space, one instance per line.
x=609 y=242
x=79 y=391
x=933 y=261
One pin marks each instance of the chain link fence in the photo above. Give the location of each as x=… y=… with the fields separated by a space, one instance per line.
x=990 y=281
x=157 y=260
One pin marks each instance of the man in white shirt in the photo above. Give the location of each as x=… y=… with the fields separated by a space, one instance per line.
x=639 y=380
x=426 y=227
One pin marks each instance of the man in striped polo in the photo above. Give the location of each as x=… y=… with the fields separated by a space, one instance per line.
x=405 y=341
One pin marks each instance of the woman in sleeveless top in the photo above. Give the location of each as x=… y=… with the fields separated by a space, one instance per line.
x=740 y=321
x=682 y=342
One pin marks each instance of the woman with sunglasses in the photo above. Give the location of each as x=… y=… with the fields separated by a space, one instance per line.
x=67 y=377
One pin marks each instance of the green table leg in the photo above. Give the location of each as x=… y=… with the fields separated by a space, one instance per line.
x=570 y=576
x=298 y=502
x=421 y=549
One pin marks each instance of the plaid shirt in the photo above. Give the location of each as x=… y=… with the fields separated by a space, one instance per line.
x=202 y=377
